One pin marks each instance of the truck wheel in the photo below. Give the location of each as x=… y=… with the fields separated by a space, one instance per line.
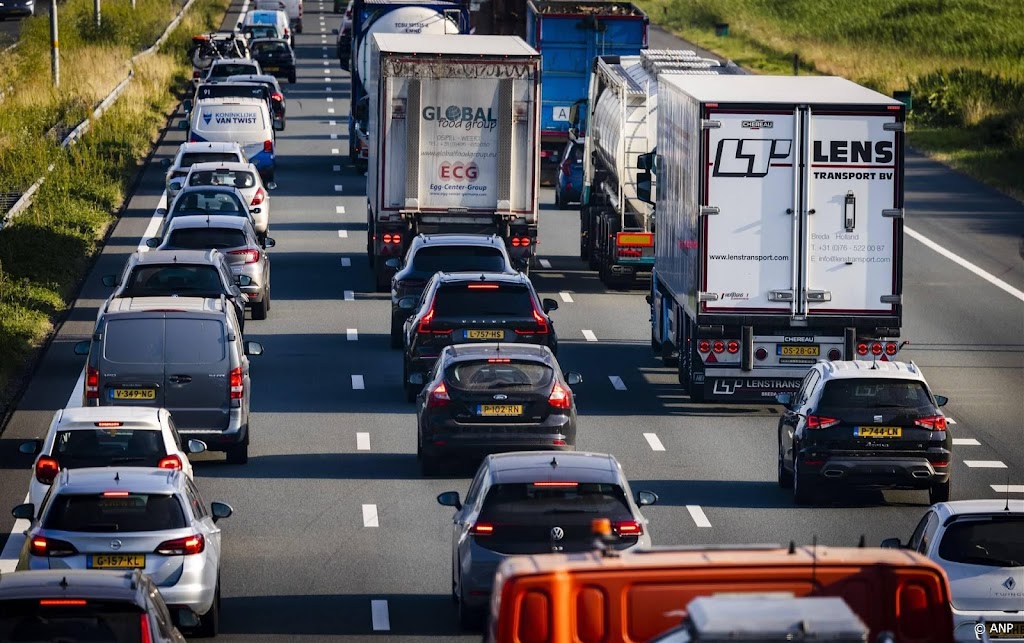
x=939 y=493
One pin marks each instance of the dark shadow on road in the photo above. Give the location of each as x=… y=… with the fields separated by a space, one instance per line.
x=755 y=494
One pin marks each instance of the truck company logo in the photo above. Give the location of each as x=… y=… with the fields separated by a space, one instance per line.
x=859 y=152
x=461 y=117
x=758 y=124
x=798 y=338
x=231 y=118
x=750 y=157
x=766 y=388
x=458 y=171
x=735 y=296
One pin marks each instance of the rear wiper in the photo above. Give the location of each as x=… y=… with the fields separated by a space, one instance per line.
x=571 y=511
x=127 y=459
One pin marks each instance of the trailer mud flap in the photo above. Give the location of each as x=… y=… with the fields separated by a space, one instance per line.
x=748 y=389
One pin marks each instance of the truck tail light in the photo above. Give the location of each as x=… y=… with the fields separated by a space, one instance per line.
x=438 y=397
x=92 y=383
x=235 y=380
x=170 y=462
x=876 y=348
x=258 y=197
x=704 y=346
x=761 y=354
x=560 y=398
x=862 y=348
x=194 y=544
x=520 y=242
x=251 y=255
x=718 y=346
x=891 y=348
x=392 y=238
x=628 y=528
x=732 y=346
x=820 y=422
x=41 y=546
x=835 y=355
x=932 y=422
x=47 y=469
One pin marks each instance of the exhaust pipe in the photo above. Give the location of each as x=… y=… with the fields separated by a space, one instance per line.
x=833 y=473
x=921 y=474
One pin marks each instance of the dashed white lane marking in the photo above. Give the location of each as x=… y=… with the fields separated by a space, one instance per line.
x=330 y=100
x=343 y=234
x=985 y=464
x=698 y=516
x=335 y=150
x=15 y=541
x=618 y=383
x=1008 y=488
x=357 y=383
x=332 y=123
x=154 y=224
x=328 y=87
x=338 y=188
x=326 y=63
x=370 y=516
x=330 y=110
x=352 y=334
x=362 y=441
x=544 y=263
x=334 y=137
x=350 y=295
x=566 y=297
x=339 y=209
x=379 y=615
x=346 y=262
x=965 y=442
x=589 y=334
x=652 y=439
x=336 y=168
x=957 y=259
x=327 y=72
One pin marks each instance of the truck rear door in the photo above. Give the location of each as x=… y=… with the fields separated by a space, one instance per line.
x=853 y=213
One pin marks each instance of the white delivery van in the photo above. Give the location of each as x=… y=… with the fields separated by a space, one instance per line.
x=277 y=19
x=246 y=121
x=291 y=7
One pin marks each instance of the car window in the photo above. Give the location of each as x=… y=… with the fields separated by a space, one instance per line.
x=494 y=374
x=576 y=155
x=511 y=501
x=25 y=620
x=812 y=380
x=108 y=512
x=205 y=203
x=240 y=179
x=231 y=69
x=174 y=433
x=159 y=280
x=874 y=393
x=270 y=48
x=205 y=238
x=431 y=259
x=191 y=158
x=134 y=341
x=474 y=487
x=106 y=446
x=195 y=341
x=992 y=542
x=196 y=502
x=461 y=299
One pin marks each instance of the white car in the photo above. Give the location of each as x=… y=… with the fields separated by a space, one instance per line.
x=107 y=436
x=191 y=153
x=980 y=545
x=243 y=176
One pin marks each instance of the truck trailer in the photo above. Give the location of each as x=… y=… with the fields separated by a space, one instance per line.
x=453 y=124
x=616 y=227
x=780 y=230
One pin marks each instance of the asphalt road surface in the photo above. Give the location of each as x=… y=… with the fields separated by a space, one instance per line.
x=335 y=534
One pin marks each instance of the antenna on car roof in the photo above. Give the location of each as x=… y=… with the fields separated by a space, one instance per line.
x=792 y=547
x=814 y=559
x=117 y=477
x=63 y=582
x=1006 y=507
x=862 y=542
x=554 y=462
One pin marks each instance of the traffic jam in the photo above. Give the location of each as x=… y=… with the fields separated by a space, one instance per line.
x=760 y=219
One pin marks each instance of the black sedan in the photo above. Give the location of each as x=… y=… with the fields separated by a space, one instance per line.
x=486 y=398
x=275 y=56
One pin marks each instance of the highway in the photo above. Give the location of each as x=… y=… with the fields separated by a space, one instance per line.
x=335 y=534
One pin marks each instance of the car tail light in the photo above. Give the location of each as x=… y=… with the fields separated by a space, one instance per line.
x=47 y=469
x=424 y=325
x=252 y=255
x=268 y=146
x=704 y=346
x=481 y=529
x=195 y=73
x=556 y=483
x=891 y=348
x=862 y=349
x=545 y=153
x=482 y=286
x=718 y=346
x=194 y=544
x=146 y=636
x=42 y=546
x=235 y=380
x=820 y=422
x=628 y=528
x=932 y=422
x=170 y=462
x=940 y=464
x=259 y=196
x=62 y=602
x=278 y=96
x=876 y=348
x=733 y=346
x=438 y=397
x=92 y=383
x=835 y=355
x=560 y=398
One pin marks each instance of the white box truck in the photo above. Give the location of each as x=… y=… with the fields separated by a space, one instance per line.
x=779 y=236
x=453 y=129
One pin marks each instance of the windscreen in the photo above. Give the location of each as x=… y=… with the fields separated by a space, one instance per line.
x=874 y=393
x=231 y=69
x=205 y=238
x=994 y=542
x=199 y=202
x=486 y=375
x=240 y=179
x=261 y=31
x=34 y=621
x=270 y=48
x=189 y=159
x=459 y=300
x=101 y=513
x=520 y=501
x=103 y=447
x=431 y=259
x=194 y=280
x=195 y=341
x=230 y=90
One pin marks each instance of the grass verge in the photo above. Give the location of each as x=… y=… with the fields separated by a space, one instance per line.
x=45 y=252
x=960 y=58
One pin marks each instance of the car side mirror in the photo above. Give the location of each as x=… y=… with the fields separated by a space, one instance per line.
x=243 y=280
x=549 y=305
x=271 y=186
x=393 y=262
x=220 y=510
x=183 y=124
x=175 y=185
x=334 y=31
x=785 y=399
x=269 y=242
x=645 y=498
x=82 y=347
x=255 y=210
x=31 y=447
x=573 y=378
x=253 y=348
x=647 y=298
x=162 y=211
x=407 y=303
x=153 y=242
x=449 y=499
x=26 y=511
x=417 y=379
x=278 y=125
x=196 y=446
x=109 y=280
x=892 y=543
x=165 y=163
x=941 y=400
x=187 y=104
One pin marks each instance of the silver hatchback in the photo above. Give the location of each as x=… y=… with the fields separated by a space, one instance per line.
x=133 y=518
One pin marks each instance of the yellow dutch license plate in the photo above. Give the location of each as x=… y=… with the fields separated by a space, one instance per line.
x=799 y=351
x=501 y=409
x=117 y=561
x=134 y=394
x=271 y=69
x=485 y=334
x=878 y=431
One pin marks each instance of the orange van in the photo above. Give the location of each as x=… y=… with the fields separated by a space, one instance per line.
x=634 y=596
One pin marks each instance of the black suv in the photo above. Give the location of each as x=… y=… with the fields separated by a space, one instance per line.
x=275 y=56
x=864 y=424
x=432 y=253
x=468 y=308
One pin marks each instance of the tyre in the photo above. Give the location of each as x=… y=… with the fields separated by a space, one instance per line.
x=259 y=309
x=429 y=466
x=239 y=453
x=291 y=78
x=802 y=494
x=381 y=279
x=397 y=341
x=785 y=477
x=560 y=201
x=939 y=492
x=209 y=623
x=469 y=618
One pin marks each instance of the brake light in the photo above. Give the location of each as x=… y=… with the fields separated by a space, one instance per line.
x=170 y=462
x=252 y=255
x=482 y=286
x=194 y=544
x=392 y=238
x=268 y=146
x=481 y=529
x=520 y=242
x=278 y=96
x=628 y=528
x=704 y=346
x=556 y=483
x=820 y=422
x=876 y=348
x=733 y=346
x=235 y=380
x=891 y=348
x=115 y=494
x=718 y=346
x=195 y=73
x=862 y=349
x=92 y=383
x=108 y=424
x=259 y=197
x=47 y=469
x=424 y=325
x=498 y=360
x=932 y=422
x=146 y=635
x=62 y=602
x=560 y=398
x=540 y=320
x=438 y=397
x=41 y=546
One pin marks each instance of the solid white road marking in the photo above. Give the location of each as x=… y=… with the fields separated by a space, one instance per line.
x=965 y=442
x=589 y=334
x=154 y=223
x=950 y=420
x=1008 y=488
x=698 y=515
x=339 y=209
x=566 y=297
x=379 y=614
x=330 y=110
x=370 y=516
x=362 y=441
x=350 y=295
x=618 y=384
x=343 y=234
x=346 y=262
x=544 y=263
x=338 y=188
x=985 y=464
x=352 y=334
x=12 y=548
x=335 y=150
x=652 y=439
x=357 y=383
x=960 y=261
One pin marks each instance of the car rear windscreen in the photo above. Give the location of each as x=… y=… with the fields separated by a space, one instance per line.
x=154 y=340
x=514 y=502
x=231 y=69
x=431 y=259
x=191 y=158
x=103 y=447
x=485 y=375
x=992 y=542
x=36 y=621
x=261 y=31
x=270 y=48
x=461 y=300
x=240 y=179
x=205 y=203
x=196 y=341
x=205 y=238
x=102 y=513
x=195 y=280
x=134 y=341
x=874 y=393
